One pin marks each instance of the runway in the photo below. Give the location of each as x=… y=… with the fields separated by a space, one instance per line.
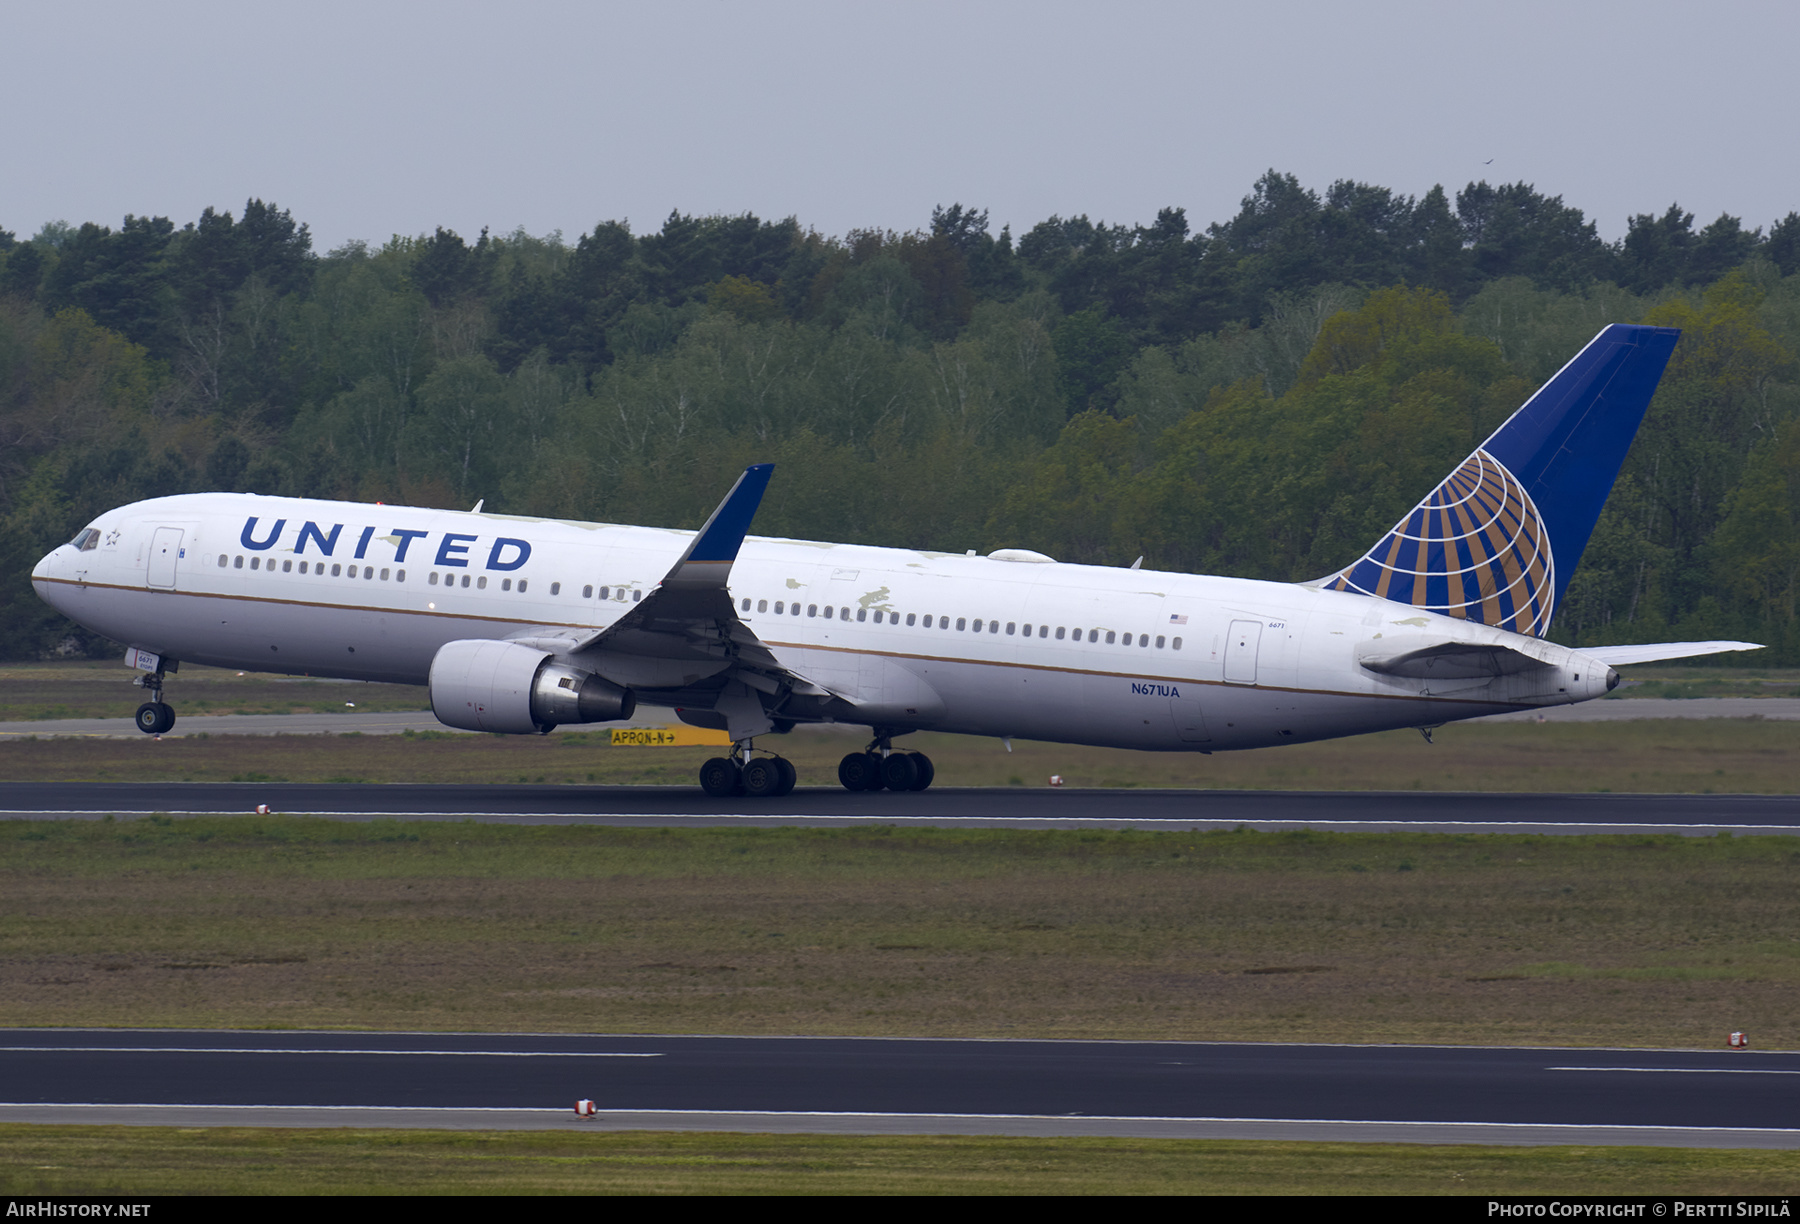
x=1426 y=1094
x=949 y=807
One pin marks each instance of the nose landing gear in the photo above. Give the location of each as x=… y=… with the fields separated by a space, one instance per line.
x=155 y=716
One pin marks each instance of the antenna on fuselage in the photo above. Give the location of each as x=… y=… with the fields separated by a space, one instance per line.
x=478 y=506
x=1136 y=564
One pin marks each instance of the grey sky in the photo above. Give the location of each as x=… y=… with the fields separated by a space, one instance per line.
x=369 y=119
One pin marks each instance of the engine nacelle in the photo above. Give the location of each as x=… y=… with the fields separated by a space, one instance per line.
x=484 y=685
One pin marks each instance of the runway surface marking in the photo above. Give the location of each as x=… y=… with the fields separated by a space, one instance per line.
x=296 y=1050
x=1680 y=1070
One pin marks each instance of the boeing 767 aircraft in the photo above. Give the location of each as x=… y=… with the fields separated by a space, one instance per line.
x=518 y=625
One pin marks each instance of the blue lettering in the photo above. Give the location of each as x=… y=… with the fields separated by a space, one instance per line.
x=1155 y=690
x=362 y=545
x=452 y=553
x=325 y=542
x=494 y=561
x=406 y=539
x=249 y=540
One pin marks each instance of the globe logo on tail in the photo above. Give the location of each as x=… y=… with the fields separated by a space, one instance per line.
x=1476 y=549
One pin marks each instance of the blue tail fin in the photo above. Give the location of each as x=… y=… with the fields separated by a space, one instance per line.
x=1498 y=541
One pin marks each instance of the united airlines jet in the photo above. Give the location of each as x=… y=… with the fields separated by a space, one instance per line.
x=520 y=625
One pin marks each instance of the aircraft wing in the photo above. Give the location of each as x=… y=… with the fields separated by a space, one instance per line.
x=686 y=631
x=1654 y=652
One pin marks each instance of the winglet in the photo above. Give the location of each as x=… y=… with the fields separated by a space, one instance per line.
x=707 y=561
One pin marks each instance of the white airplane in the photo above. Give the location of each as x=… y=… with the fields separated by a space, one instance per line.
x=519 y=624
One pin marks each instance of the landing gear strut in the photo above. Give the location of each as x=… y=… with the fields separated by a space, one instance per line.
x=155 y=716
x=879 y=767
x=764 y=777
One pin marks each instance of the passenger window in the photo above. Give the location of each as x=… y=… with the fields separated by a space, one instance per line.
x=337 y=570
x=762 y=605
x=506 y=584
x=587 y=592
x=1009 y=628
x=927 y=620
x=636 y=595
x=1143 y=640
x=605 y=592
x=811 y=609
x=794 y=610
x=1044 y=631
x=960 y=622
x=555 y=587
x=523 y=584
x=303 y=567
x=465 y=581
x=1059 y=633
x=909 y=618
x=255 y=562
x=384 y=575
x=878 y=616
x=221 y=560
x=1159 y=641
x=432 y=581
x=481 y=583
x=399 y=575
x=1110 y=635
x=287 y=567
x=862 y=614
x=368 y=571
x=1176 y=643
x=743 y=605
x=780 y=607
x=993 y=626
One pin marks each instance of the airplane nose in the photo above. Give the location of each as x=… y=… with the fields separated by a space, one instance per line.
x=45 y=567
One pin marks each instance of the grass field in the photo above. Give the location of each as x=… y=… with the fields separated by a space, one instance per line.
x=32 y=692
x=1658 y=756
x=307 y=923
x=147 y=1160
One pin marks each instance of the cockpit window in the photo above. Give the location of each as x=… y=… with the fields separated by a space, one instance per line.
x=87 y=539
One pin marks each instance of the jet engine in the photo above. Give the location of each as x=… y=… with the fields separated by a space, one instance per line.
x=507 y=687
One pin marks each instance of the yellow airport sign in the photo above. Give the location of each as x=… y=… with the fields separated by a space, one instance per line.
x=668 y=737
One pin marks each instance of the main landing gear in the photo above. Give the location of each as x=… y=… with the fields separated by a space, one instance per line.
x=879 y=767
x=155 y=716
x=764 y=777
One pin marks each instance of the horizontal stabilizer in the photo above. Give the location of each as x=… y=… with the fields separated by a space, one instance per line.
x=1654 y=652
x=1442 y=659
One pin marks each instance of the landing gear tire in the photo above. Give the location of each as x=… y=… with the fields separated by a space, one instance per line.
x=155 y=717
x=763 y=778
x=719 y=777
x=860 y=771
x=789 y=776
x=899 y=772
x=924 y=771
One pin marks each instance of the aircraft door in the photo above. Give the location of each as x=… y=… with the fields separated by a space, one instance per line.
x=1240 y=651
x=165 y=550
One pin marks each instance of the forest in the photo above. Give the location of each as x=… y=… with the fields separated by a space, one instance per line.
x=1262 y=397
